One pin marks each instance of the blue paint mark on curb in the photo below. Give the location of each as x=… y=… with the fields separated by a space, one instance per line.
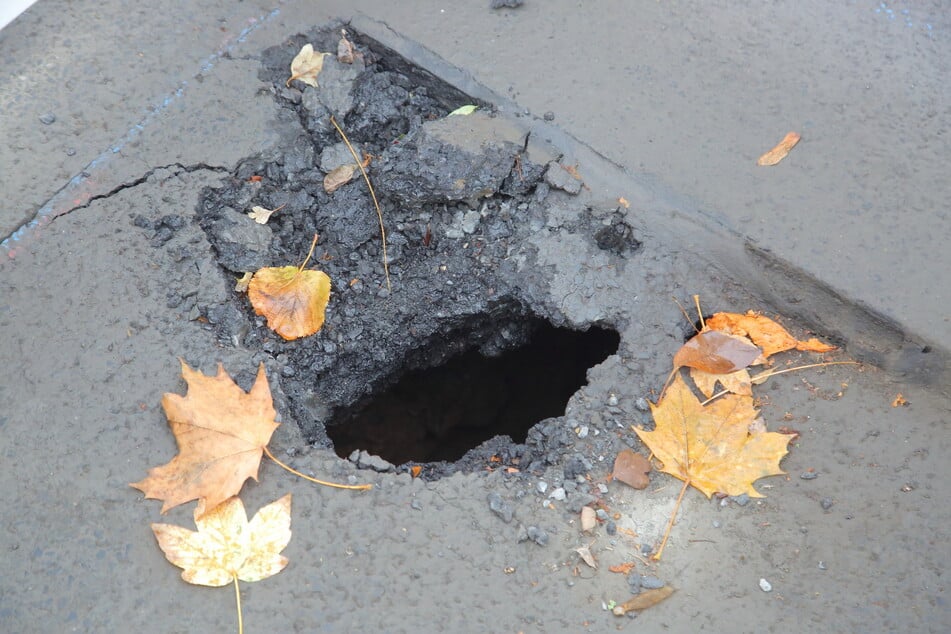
x=48 y=211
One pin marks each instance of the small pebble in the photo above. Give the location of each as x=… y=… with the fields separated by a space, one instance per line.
x=742 y=499
x=415 y=504
x=716 y=523
x=500 y=507
x=583 y=431
x=825 y=503
x=48 y=118
x=808 y=475
x=610 y=527
x=541 y=486
x=612 y=400
x=822 y=565
x=70 y=151
x=549 y=116
x=601 y=514
x=537 y=535
x=642 y=404
x=602 y=487
x=765 y=586
x=558 y=494
x=649 y=582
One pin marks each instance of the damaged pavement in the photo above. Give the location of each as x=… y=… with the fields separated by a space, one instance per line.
x=501 y=230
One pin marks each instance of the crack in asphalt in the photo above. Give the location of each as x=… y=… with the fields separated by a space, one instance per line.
x=49 y=218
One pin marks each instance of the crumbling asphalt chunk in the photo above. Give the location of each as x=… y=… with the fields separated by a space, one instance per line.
x=450 y=159
x=500 y=507
x=242 y=244
x=558 y=177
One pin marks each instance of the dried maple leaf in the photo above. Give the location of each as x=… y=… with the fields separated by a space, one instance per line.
x=222 y=432
x=228 y=547
x=631 y=468
x=293 y=300
x=779 y=152
x=764 y=332
x=716 y=352
x=710 y=447
x=306 y=66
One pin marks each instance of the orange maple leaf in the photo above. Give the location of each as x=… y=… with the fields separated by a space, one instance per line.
x=710 y=447
x=764 y=332
x=222 y=432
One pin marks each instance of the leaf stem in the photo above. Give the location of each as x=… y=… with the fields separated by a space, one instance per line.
x=354 y=487
x=670 y=522
x=309 y=253
x=237 y=598
x=379 y=213
x=762 y=376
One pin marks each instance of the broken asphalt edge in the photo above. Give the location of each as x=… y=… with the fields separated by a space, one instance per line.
x=867 y=334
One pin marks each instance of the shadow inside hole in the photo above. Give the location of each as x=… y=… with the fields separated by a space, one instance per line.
x=441 y=413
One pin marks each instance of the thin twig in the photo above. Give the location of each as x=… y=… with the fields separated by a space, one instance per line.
x=379 y=213
x=670 y=523
x=767 y=374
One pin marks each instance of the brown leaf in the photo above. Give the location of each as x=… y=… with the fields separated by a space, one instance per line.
x=779 y=152
x=221 y=432
x=226 y=546
x=631 y=468
x=644 y=600
x=624 y=568
x=293 y=300
x=306 y=66
x=338 y=177
x=899 y=400
x=710 y=447
x=716 y=352
x=346 y=54
x=764 y=332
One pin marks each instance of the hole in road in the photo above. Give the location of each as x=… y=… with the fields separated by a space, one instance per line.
x=442 y=412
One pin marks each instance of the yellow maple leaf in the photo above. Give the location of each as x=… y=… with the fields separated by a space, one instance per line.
x=711 y=447
x=226 y=546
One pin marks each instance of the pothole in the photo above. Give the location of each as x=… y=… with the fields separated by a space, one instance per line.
x=467 y=356
x=440 y=413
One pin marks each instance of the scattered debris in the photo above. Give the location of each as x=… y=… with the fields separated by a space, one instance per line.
x=632 y=469
x=779 y=152
x=644 y=600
